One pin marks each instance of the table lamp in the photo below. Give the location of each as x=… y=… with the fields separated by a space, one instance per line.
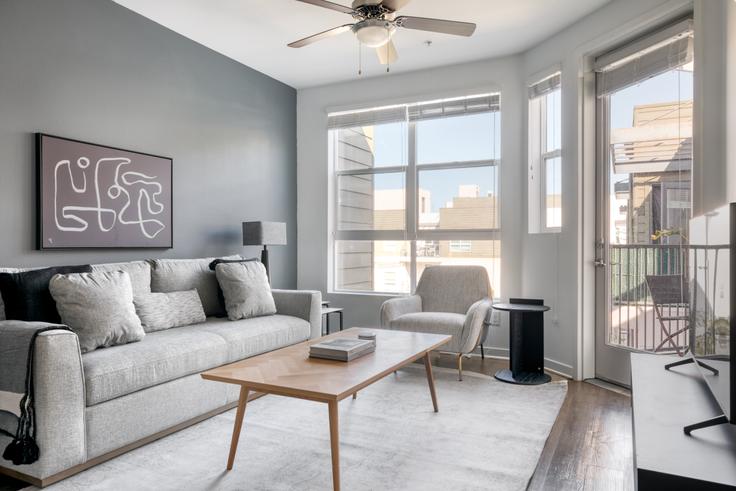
x=265 y=234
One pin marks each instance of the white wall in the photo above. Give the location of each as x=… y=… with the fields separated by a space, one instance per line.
x=556 y=267
x=312 y=167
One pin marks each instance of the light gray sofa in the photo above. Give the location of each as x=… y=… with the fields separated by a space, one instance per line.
x=91 y=407
x=454 y=300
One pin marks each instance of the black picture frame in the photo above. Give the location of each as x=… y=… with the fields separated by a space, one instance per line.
x=43 y=231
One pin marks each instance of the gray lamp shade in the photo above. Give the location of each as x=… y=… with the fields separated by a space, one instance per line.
x=264 y=233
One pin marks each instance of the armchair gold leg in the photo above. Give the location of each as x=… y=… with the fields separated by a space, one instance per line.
x=460 y=367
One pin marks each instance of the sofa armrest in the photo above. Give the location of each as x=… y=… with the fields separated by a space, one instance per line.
x=305 y=304
x=60 y=402
x=477 y=317
x=395 y=307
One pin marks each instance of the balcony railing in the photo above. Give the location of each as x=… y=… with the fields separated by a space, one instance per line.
x=633 y=322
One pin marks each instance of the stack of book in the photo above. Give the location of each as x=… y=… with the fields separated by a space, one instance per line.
x=342 y=349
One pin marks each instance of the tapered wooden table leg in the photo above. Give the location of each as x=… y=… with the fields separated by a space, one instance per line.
x=430 y=381
x=334 y=445
x=238 y=424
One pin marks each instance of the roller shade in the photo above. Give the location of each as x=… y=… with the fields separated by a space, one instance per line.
x=545 y=86
x=652 y=55
x=454 y=107
x=370 y=117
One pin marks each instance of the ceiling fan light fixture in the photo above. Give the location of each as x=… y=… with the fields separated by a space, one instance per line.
x=374 y=32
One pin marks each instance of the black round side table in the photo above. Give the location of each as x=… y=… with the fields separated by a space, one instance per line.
x=526 y=342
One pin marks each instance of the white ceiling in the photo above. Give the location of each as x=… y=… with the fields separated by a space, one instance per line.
x=255 y=33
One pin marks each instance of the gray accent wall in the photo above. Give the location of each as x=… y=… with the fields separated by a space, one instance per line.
x=96 y=71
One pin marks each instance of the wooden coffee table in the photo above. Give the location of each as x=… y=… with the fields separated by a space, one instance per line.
x=290 y=372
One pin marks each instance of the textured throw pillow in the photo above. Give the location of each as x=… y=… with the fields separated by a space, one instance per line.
x=246 y=290
x=26 y=293
x=159 y=311
x=176 y=275
x=98 y=307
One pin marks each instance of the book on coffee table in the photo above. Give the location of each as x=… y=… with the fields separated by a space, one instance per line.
x=342 y=349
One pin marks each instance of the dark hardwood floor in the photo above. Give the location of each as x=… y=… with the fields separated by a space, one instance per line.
x=588 y=449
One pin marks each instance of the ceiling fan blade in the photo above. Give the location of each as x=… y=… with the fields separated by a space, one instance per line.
x=319 y=36
x=387 y=53
x=395 y=4
x=329 y=5
x=436 y=25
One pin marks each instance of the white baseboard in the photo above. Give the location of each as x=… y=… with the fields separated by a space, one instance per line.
x=557 y=367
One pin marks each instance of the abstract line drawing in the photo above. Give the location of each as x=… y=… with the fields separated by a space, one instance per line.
x=150 y=227
x=96 y=196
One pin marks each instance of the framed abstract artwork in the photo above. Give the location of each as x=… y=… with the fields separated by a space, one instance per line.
x=94 y=196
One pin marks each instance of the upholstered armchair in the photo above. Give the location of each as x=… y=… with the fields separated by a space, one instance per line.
x=454 y=300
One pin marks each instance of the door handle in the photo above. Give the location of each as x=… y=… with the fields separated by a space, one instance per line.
x=599 y=263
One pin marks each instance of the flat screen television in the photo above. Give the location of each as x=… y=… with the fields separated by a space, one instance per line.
x=712 y=280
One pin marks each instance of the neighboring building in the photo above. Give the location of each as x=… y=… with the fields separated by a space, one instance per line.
x=656 y=154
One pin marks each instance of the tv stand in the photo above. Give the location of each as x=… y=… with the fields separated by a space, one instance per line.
x=718 y=420
x=663 y=402
x=687 y=361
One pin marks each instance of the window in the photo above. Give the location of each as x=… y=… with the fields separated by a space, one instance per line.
x=415 y=185
x=545 y=155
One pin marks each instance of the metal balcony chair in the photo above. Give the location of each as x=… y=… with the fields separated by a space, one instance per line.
x=670 y=292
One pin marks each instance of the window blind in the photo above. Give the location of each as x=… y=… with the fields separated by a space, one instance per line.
x=454 y=107
x=647 y=57
x=370 y=117
x=545 y=86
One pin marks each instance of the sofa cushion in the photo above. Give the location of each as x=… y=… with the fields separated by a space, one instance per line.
x=176 y=275
x=98 y=307
x=435 y=323
x=159 y=311
x=245 y=289
x=168 y=355
x=139 y=272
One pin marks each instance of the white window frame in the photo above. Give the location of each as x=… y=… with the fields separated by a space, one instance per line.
x=412 y=232
x=538 y=155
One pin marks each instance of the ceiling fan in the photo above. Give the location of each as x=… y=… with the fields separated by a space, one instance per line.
x=376 y=23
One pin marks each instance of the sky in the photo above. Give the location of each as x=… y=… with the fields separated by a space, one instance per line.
x=442 y=140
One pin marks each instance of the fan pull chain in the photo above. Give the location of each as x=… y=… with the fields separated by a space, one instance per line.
x=388 y=52
x=360 y=59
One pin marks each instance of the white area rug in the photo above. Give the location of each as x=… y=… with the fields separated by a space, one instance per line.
x=487 y=435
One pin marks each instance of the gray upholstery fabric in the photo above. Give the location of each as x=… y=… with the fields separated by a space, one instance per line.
x=453 y=300
x=395 y=307
x=304 y=304
x=167 y=355
x=175 y=275
x=436 y=323
x=159 y=311
x=139 y=271
x=124 y=420
x=98 y=307
x=245 y=289
x=59 y=392
x=453 y=288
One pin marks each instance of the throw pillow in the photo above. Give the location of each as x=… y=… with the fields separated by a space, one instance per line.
x=139 y=271
x=26 y=293
x=98 y=307
x=159 y=311
x=246 y=290
x=176 y=275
